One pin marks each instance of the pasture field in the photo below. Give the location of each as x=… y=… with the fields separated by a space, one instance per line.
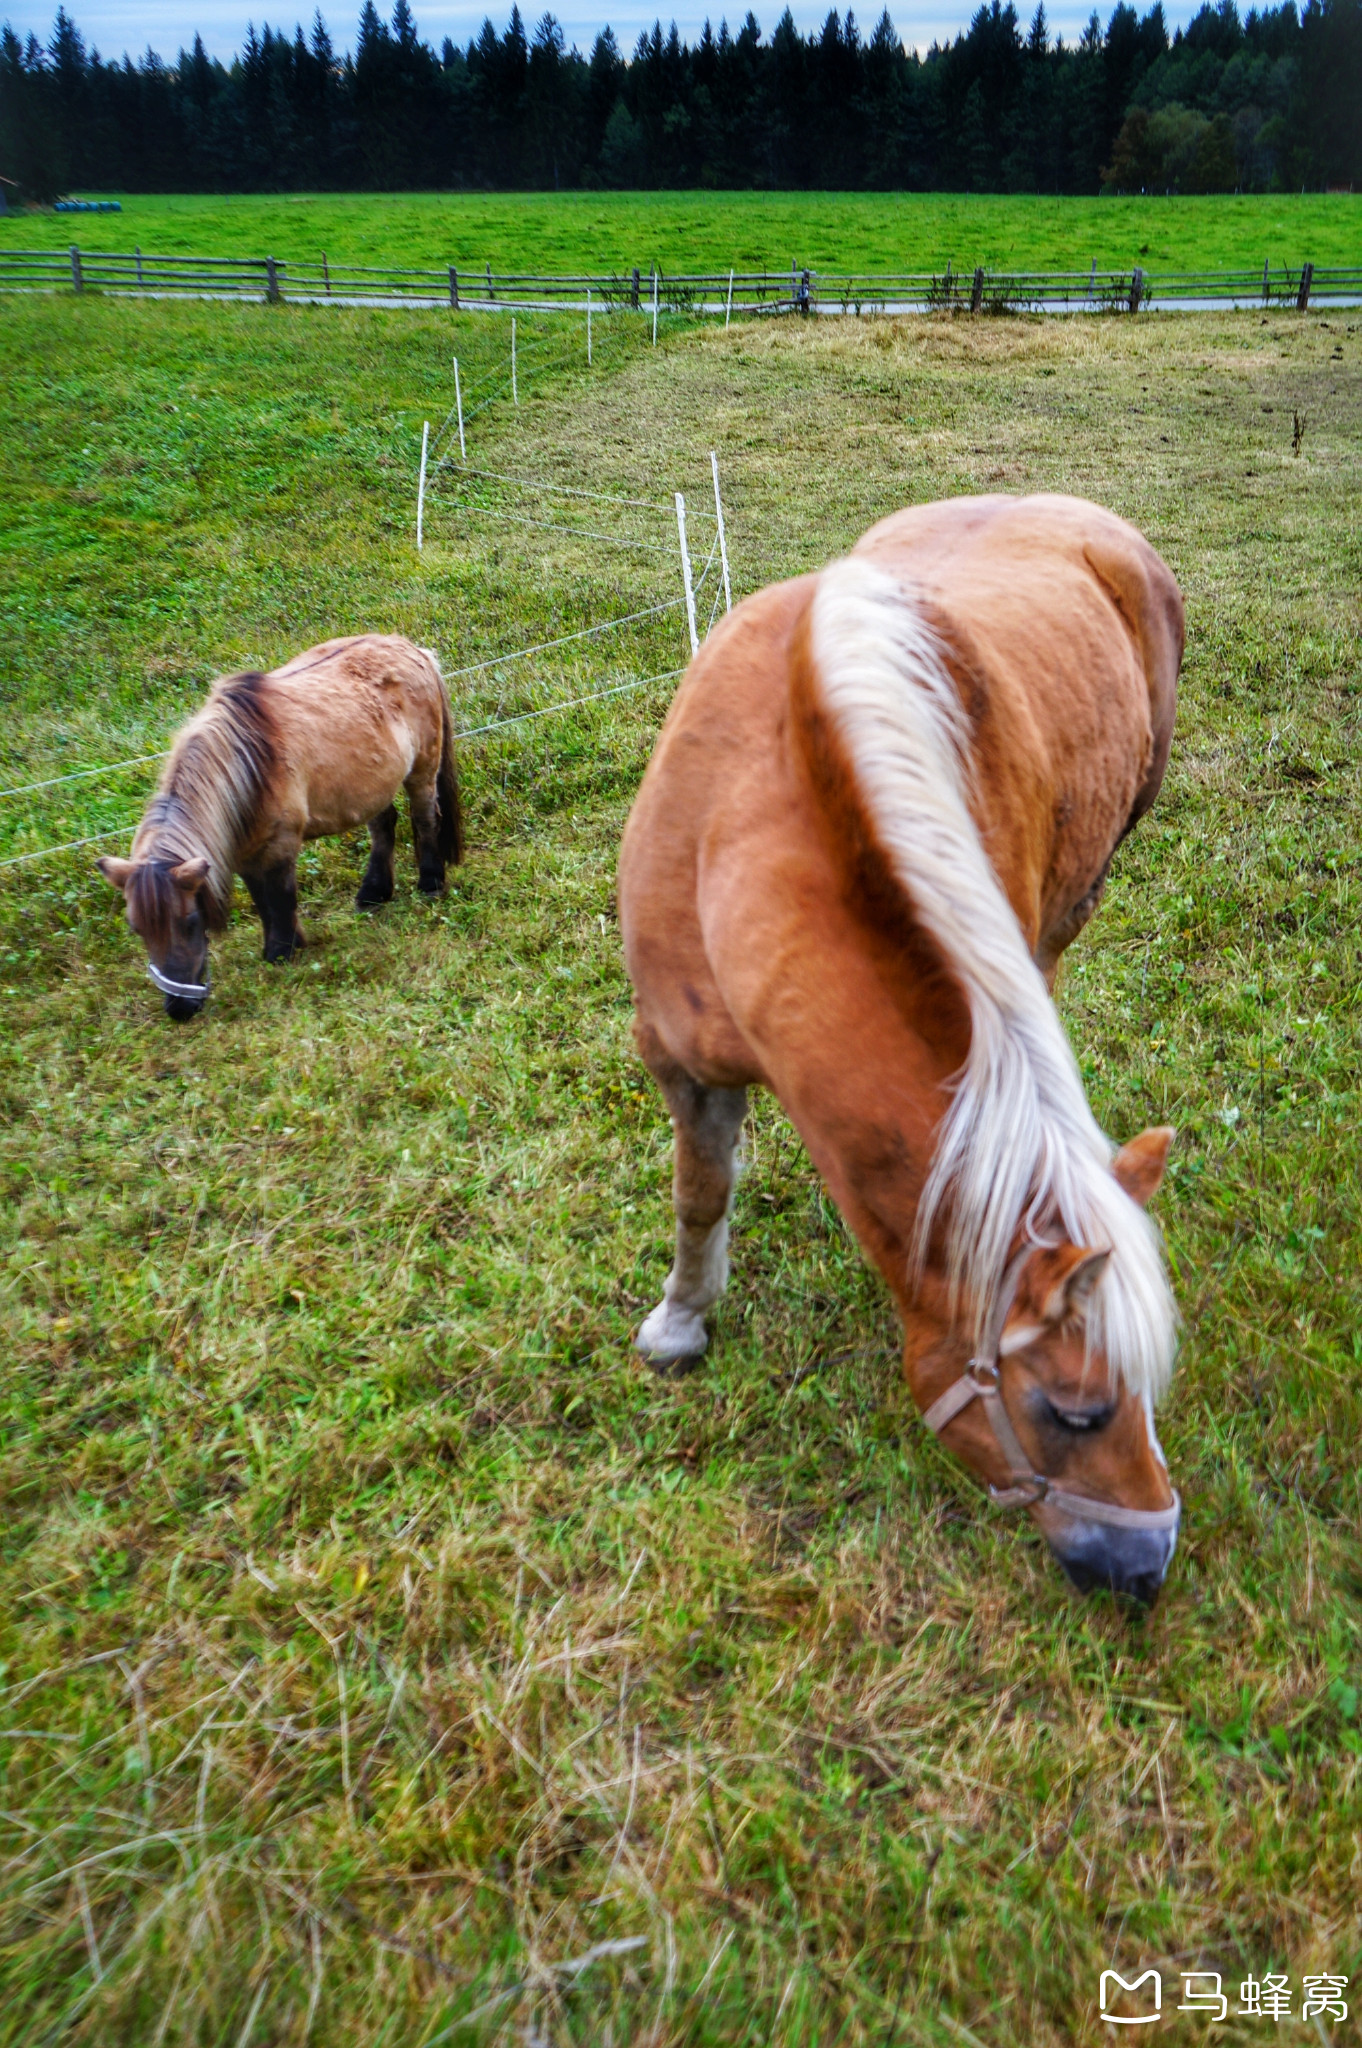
x=680 y=231
x=391 y=1660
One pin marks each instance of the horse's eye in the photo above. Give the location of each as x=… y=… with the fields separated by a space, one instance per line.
x=1081 y=1421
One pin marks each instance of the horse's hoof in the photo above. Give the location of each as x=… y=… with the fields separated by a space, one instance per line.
x=365 y=902
x=672 y=1340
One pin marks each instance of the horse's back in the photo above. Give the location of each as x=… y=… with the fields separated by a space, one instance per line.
x=355 y=717
x=1037 y=587
x=1062 y=630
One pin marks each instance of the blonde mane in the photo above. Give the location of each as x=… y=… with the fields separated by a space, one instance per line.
x=1018 y=1143
x=209 y=795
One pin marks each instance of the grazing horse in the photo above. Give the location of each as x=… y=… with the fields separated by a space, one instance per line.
x=885 y=799
x=317 y=747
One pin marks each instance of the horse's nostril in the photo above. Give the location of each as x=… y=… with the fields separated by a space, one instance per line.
x=1102 y=1568
x=181 y=1009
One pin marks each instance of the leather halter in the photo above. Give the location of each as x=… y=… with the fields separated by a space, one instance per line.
x=981 y=1381
x=194 y=990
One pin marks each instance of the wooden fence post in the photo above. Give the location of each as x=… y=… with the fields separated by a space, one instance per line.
x=976 y=297
x=453 y=287
x=1266 y=287
x=1303 y=295
x=77 y=281
x=139 y=267
x=1136 y=288
x=634 y=290
x=490 y=293
x=326 y=274
x=272 y=291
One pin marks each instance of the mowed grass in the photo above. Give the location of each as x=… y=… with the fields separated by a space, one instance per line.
x=698 y=231
x=385 y=1648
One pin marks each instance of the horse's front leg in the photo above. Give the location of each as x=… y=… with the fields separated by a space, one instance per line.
x=274 y=892
x=377 y=884
x=705 y=1123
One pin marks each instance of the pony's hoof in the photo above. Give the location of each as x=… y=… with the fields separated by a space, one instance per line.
x=363 y=902
x=672 y=1340
x=431 y=885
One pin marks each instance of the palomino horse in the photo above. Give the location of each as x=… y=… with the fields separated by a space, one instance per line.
x=885 y=799
x=317 y=747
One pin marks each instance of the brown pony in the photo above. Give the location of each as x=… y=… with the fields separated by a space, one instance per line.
x=885 y=799
x=314 y=748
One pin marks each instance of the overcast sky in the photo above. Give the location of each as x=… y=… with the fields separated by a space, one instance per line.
x=115 y=26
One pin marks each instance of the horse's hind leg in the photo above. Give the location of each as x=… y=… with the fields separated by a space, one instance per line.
x=423 y=802
x=377 y=884
x=705 y=1123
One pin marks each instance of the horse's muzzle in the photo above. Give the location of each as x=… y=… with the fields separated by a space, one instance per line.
x=183 y=999
x=182 y=1008
x=1099 y=1559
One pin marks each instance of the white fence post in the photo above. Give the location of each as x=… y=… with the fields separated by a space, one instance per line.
x=728 y=309
x=458 y=400
x=656 y=278
x=685 y=571
x=588 y=327
x=723 y=538
x=421 y=485
x=515 y=390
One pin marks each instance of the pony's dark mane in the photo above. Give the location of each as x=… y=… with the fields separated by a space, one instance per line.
x=207 y=802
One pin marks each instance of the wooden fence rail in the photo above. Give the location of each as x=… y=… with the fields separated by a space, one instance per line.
x=750 y=292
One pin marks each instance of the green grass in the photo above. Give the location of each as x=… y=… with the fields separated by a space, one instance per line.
x=379 y=1636
x=681 y=231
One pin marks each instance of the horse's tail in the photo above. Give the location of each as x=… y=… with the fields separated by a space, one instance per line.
x=447 y=779
x=878 y=712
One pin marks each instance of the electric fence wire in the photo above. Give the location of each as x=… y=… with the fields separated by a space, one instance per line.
x=615 y=540
x=452 y=675
x=469 y=733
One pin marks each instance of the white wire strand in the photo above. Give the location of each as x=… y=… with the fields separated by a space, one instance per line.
x=588 y=632
x=573 y=491
x=616 y=690
x=41 y=853
x=473 y=668
x=614 y=540
x=469 y=733
x=79 y=774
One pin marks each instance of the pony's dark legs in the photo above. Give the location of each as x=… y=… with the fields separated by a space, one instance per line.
x=274 y=892
x=705 y=1123
x=377 y=884
x=425 y=832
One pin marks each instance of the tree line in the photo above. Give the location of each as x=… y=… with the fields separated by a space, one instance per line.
x=1267 y=101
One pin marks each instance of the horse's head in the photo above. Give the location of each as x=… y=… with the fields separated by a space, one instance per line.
x=1042 y=1417
x=167 y=906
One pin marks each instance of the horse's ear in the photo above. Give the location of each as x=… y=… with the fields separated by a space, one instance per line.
x=1055 y=1289
x=1075 y=1271
x=1140 y=1165
x=190 y=873
x=114 y=871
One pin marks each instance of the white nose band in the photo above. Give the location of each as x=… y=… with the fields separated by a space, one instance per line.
x=195 y=991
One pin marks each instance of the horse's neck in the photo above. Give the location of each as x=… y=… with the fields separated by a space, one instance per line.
x=171 y=831
x=186 y=821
